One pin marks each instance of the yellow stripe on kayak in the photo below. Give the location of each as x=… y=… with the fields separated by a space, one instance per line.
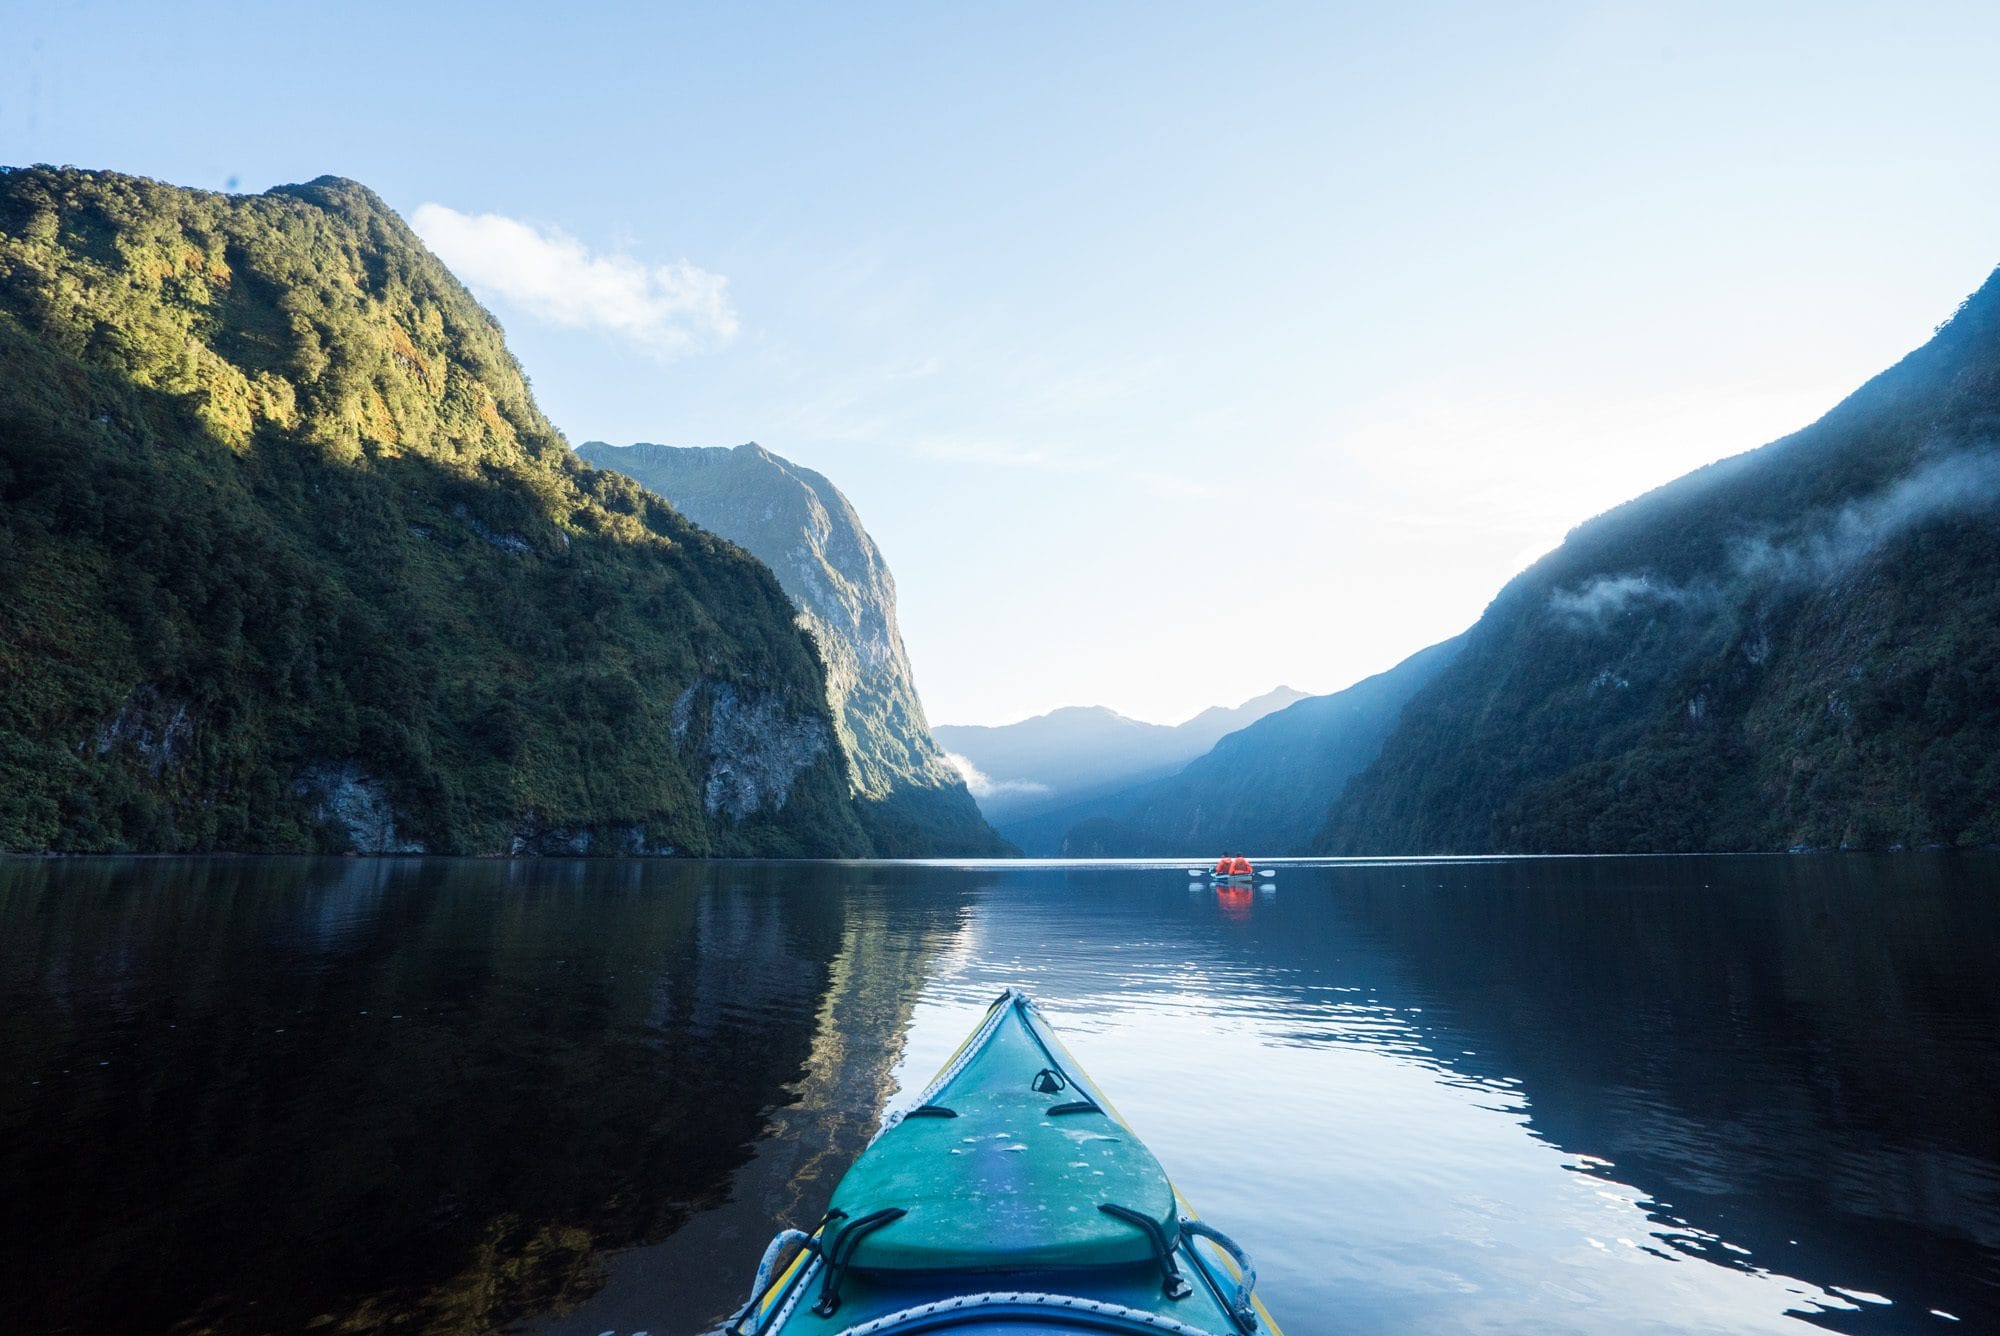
x=784 y=1282
x=1076 y=1069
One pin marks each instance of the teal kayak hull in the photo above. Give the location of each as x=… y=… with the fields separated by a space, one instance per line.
x=1008 y=1197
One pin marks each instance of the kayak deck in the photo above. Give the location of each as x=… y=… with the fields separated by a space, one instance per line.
x=1009 y=1196
x=1004 y=1167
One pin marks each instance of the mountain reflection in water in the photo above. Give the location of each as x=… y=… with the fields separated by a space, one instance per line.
x=1583 y=1094
x=245 y=1095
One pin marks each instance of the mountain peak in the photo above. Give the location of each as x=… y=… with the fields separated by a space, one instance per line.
x=1265 y=786
x=1054 y=758
x=440 y=632
x=1218 y=720
x=338 y=194
x=800 y=525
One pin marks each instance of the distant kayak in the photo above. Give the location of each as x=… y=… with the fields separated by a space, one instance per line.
x=1232 y=869
x=1008 y=1198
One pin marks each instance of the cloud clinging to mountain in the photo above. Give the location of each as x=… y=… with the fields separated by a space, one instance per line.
x=982 y=785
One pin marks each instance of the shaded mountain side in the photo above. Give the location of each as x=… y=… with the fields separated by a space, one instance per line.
x=912 y=801
x=1266 y=787
x=1086 y=751
x=1796 y=646
x=289 y=559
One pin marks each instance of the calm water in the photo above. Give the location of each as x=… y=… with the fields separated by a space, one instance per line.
x=1576 y=1095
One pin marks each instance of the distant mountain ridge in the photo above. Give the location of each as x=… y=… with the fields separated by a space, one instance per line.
x=1265 y=788
x=1080 y=751
x=1798 y=646
x=913 y=802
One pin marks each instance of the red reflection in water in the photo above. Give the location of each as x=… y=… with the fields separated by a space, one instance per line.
x=1234 y=901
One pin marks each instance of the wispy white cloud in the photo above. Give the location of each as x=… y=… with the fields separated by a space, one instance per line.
x=989 y=452
x=1000 y=454
x=671 y=310
x=1830 y=542
x=918 y=370
x=1608 y=596
x=983 y=786
x=1944 y=485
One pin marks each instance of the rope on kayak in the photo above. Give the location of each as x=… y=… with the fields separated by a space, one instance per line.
x=1240 y=1306
x=841 y=1253
x=1173 y=1284
x=1048 y=1080
x=1075 y=1106
x=767 y=1271
x=966 y=1052
x=1030 y=1012
x=1004 y=1304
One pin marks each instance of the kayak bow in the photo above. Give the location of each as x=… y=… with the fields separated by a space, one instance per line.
x=1008 y=1197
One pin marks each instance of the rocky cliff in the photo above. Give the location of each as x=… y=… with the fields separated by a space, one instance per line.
x=911 y=800
x=1799 y=646
x=289 y=559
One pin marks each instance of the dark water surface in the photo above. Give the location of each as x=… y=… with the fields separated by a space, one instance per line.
x=1598 y=1095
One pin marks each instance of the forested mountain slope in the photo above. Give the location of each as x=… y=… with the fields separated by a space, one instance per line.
x=912 y=801
x=1796 y=646
x=290 y=560
x=1265 y=788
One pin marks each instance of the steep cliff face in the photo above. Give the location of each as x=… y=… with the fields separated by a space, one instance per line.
x=1265 y=788
x=912 y=801
x=289 y=559
x=1796 y=646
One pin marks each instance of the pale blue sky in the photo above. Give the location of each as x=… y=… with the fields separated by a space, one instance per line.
x=1123 y=324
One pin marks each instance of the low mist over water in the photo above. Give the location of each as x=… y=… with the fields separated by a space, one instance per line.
x=1717 y=1094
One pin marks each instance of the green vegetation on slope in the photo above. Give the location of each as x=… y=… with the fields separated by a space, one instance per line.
x=289 y=559
x=1796 y=646
x=911 y=801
